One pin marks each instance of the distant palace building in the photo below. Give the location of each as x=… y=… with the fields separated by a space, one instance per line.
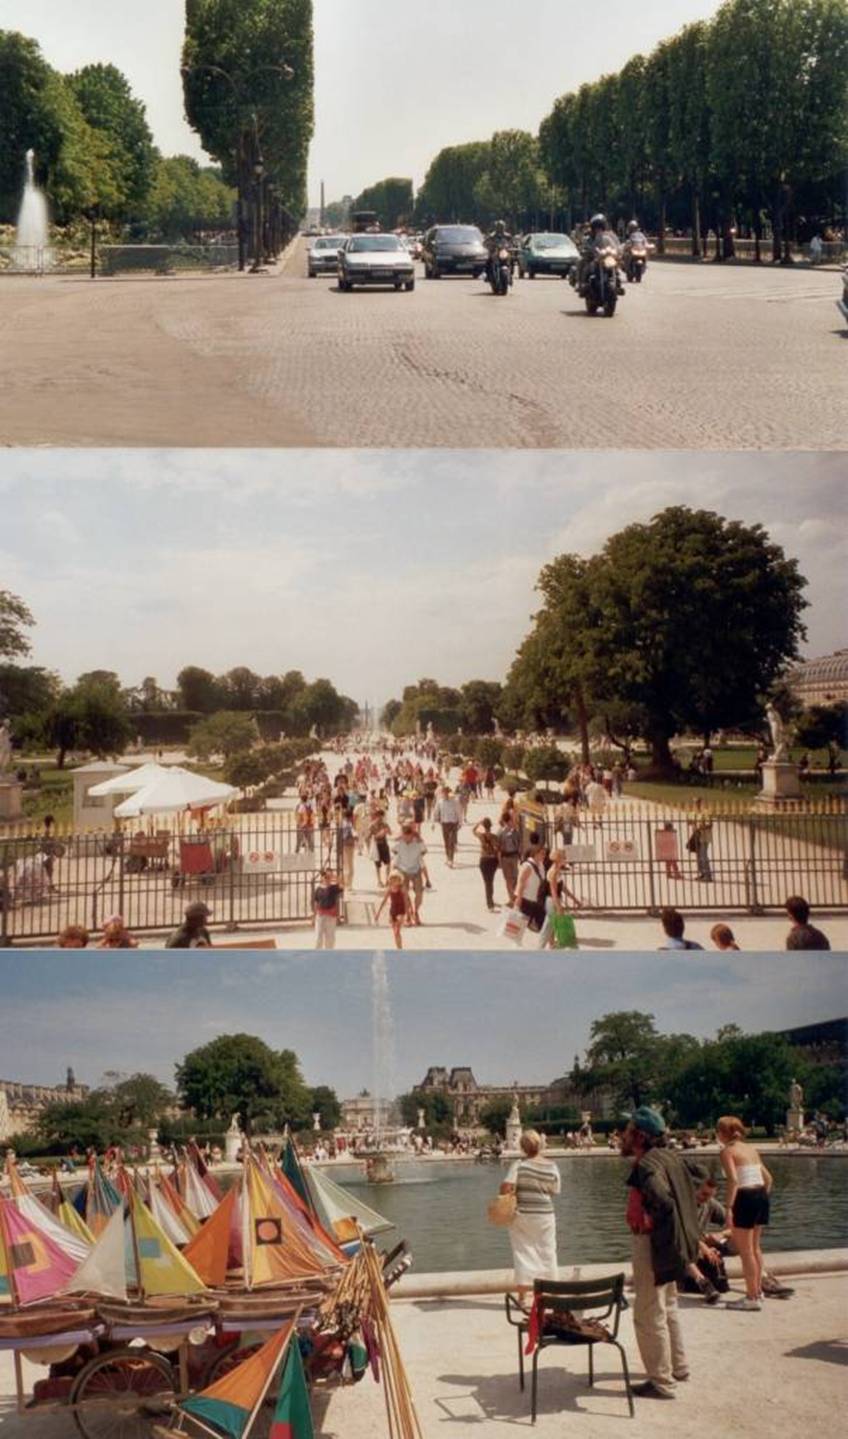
x=468 y=1098
x=821 y=1044
x=21 y=1105
x=821 y=681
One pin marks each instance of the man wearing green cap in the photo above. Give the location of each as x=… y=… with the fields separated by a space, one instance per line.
x=663 y=1220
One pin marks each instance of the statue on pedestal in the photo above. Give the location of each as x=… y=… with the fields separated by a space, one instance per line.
x=513 y=1124
x=422 y=1120
x=796 y=1095
x=779 y=736
x=233 y=1140
x=5 y=747
x=316 y=1120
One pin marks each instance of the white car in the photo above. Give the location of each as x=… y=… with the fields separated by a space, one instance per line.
x=375 y=260
x=323 y=256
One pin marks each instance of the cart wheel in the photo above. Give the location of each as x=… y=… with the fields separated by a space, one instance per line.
x=122 y=1395
x=226 y=1360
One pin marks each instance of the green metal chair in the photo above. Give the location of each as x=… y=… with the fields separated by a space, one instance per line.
x=598 y=1299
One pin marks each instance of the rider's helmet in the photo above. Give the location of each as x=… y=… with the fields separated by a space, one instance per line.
x=632 y=227
x=598 y=222
x=500 y=227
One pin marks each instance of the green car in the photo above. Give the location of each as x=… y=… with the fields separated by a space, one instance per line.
x=546 y=254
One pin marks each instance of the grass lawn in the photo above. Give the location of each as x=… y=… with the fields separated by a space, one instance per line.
x=54 y=795
x=830 y=830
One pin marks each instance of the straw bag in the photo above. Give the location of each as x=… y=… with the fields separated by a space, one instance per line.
x=502 y=1210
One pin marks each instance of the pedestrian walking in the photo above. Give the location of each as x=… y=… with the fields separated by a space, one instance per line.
x=400 y=908
x=448 y=814
x=509 y=845
x=325 y=906
x=489 y=860
x=408 y=856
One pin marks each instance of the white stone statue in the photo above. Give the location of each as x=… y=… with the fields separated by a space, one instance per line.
x=430 y=735
x=796 y=1095
x=779 y=737
x=422 y=1121
x=235 y=1127
x=5 y=747
x=316 y=1120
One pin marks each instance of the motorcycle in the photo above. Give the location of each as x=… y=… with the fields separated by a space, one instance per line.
x=601 y=285
x=635 y=263
x=500 y=271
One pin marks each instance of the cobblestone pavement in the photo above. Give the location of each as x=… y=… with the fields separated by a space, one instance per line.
x=697 y=358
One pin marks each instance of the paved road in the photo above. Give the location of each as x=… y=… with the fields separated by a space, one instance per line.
x=698 y=358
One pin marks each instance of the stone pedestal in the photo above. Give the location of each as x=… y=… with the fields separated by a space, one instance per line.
x=233 y=1140
x=795 y=1120
x=153 y=1150
x=11 y=799
x=780 y=781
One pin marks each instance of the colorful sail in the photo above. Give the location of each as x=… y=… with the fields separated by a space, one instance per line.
x=68 y=1216
x=275 y=1248
x=291 y=1168
x=166 y=1218
x=212 y=1251
x=34 y=1266
x=292 y=1416
x=104 y=1271
x=232 y=1402
x=322 y=1243
x=75 y=1245
x=338 y=1207
x=175 y=1201
x=101 y=1200
x=163 y=1270
x=197 y=1196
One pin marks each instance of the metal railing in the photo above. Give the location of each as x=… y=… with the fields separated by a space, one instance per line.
x=258 y=870
x=634 y=856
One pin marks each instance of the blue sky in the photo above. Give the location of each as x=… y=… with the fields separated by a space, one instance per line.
x=394 y=83
x=373 y=568
x=510 y=1017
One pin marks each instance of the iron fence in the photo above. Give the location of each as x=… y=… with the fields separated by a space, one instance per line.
x=259 y=870
x=633 y=857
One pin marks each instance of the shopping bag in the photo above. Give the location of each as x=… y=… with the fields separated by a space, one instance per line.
x=501 y=1210
x=564 y=931
x=513 y=925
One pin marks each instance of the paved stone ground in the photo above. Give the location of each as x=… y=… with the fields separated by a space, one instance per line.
x=781 y=1371
x=700 y=357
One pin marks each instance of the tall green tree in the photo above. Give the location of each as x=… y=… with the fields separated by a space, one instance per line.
x=239 y=1073
x=109 y=107
x=392 y=199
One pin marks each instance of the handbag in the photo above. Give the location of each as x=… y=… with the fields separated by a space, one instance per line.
x=513 y=926
x=502 y=1210
x=564 y=931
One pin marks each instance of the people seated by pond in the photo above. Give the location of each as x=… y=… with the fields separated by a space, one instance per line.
x=535 y=1181
x=707 y=1275
x=73 y=936
x=674 y=929
x=802 y=934
x=722 y=937
x=193 y=933
x=116 y=935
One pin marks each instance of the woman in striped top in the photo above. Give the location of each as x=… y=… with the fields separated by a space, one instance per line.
x=534 y=1180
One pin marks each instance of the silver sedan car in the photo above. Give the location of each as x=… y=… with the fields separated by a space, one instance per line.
x=375 y=260
x=323 y=256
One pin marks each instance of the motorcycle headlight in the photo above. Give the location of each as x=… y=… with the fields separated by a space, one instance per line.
x=503 y=254
x=609 y=262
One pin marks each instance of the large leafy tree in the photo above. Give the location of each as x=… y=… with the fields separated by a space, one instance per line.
x=239 y=1073
x=198 y=689
x=694 y=619
x=511 y=184
x=448 y=191
x=748 y=1075
x=229 y=732
x=109 y=107
x=92 y=715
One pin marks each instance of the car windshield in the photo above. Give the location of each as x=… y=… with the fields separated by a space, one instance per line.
x=375 y=242
x=458 y=235
x=329 y=242
x=548 y=242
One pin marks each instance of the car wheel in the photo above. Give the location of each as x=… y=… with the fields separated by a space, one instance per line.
x=531 y=274
x=409 y=286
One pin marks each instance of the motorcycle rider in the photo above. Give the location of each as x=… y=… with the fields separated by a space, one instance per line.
x=599 y=233
x=636 y=238
x=498 y=239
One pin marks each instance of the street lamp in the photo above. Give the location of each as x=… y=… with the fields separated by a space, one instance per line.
x=259 y=238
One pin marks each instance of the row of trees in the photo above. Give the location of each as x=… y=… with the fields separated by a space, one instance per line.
x=94 y=150
x=472 y=708
x=694 y=1081
x=391 y=199
x=235 y=1073
x=742 y=118
x=100 y=715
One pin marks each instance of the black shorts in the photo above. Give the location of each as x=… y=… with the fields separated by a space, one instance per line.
x=750 y=1208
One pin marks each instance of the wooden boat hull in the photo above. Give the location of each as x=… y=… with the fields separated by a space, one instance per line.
x=38 y=1323
x=154 y=1313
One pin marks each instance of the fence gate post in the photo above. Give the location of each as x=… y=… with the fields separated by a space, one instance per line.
x=649 y=851
x=231 y=925
x=753 y=892
x=5 y=897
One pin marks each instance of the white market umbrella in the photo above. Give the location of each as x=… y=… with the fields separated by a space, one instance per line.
x=129 y=782
x=175 y=789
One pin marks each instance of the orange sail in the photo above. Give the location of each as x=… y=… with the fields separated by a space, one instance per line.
x=210 y=1250
x=232 y=1403
x=275 y=1247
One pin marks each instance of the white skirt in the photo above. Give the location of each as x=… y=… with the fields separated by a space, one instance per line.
x=534 y=1248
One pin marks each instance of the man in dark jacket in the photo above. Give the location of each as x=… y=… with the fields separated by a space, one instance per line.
x=663 y=1220
x=193 y=933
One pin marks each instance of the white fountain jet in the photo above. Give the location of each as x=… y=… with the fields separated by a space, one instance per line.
x=32 y=251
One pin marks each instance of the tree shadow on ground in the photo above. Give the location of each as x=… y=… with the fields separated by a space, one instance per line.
x=827 y=1351
x=440 y=1306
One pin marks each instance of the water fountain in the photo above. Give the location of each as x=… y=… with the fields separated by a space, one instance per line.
x=32 y=252
x=378 y=1167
